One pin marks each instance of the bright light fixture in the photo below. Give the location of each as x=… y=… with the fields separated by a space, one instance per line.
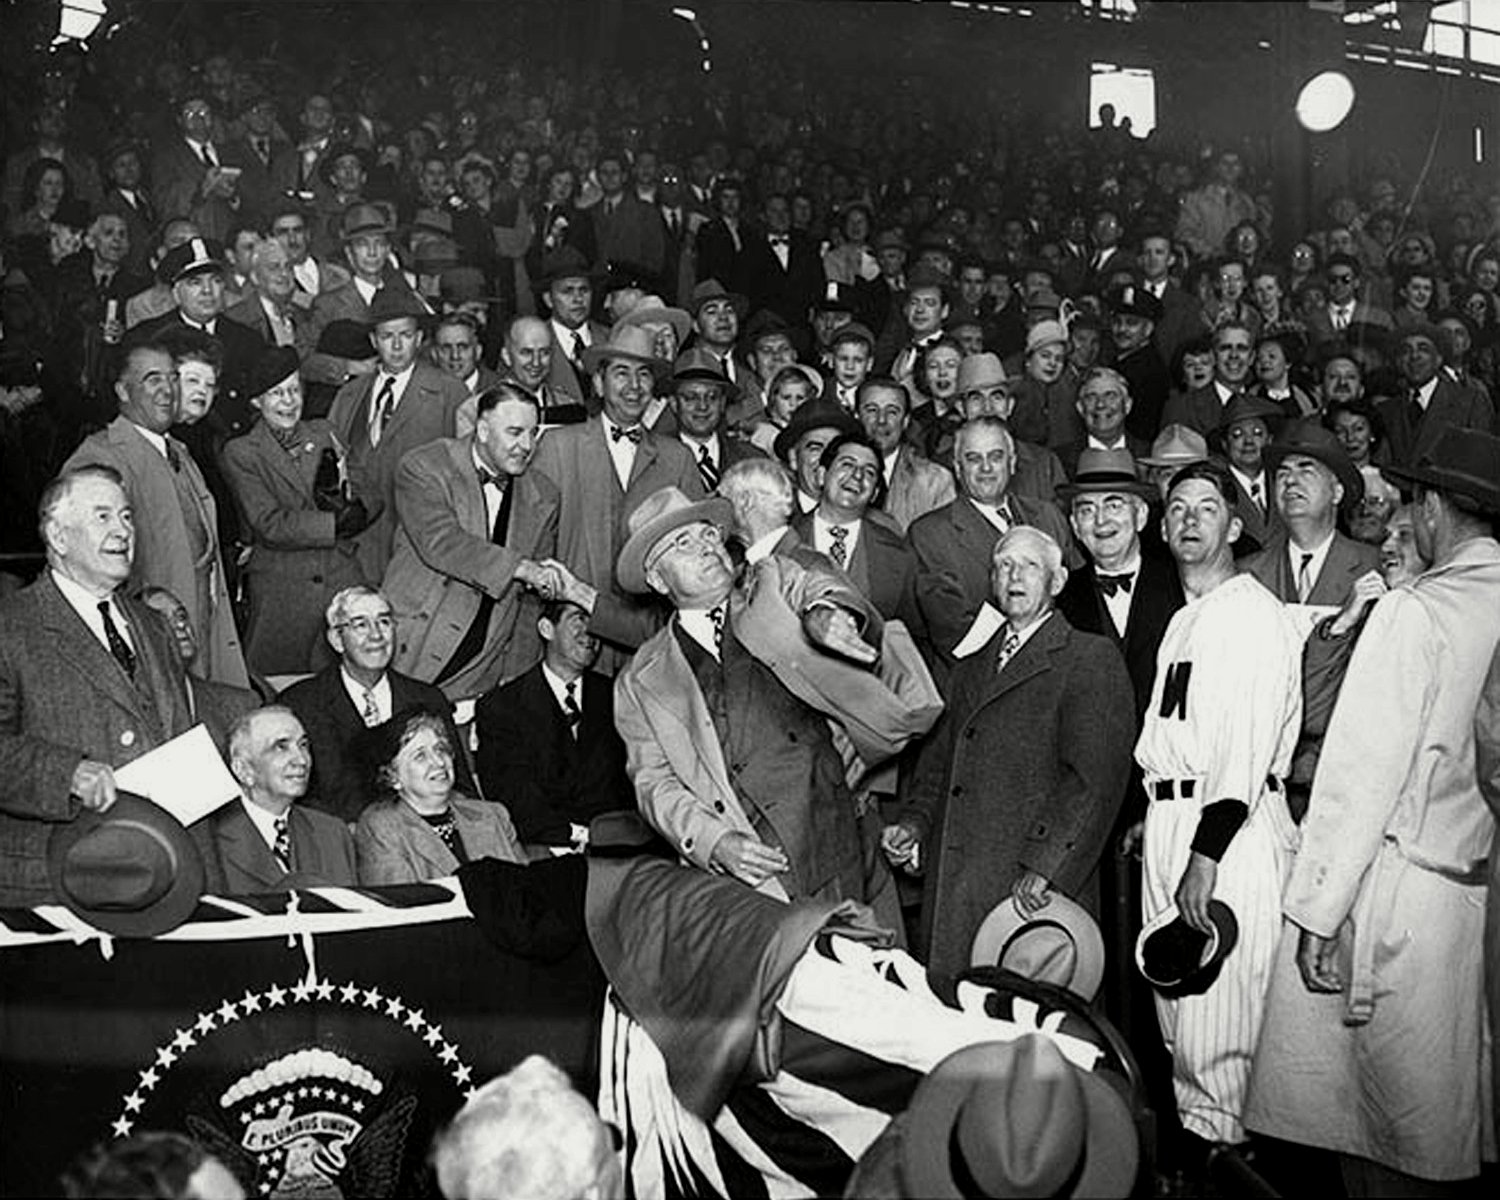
x=1324 y=102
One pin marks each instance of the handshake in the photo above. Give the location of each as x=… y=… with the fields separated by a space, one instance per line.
x=553 y=581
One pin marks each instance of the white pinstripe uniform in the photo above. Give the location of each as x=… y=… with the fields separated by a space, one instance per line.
x=1224 y=713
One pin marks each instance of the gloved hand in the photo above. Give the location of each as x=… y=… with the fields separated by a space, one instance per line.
x=352 y=518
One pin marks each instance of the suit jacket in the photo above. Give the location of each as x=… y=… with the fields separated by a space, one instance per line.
x=427 y=411
x=1199 y=409
x=718 y=258
x=218 y=706
x=251 y=313
x=548 y=780
x=632 y=234
x=231 y=414
x=257 y=186
x=1150 y=383
x=788 y=291
x=954 y=547
x=1320 y=322
x=297 y=563
x=883 y=567
x=237 y=861
x=163 y=554
x=64 y=698
x=1258 y=527
x=1451 y=404
x=140 y=224
x=1181 y=321
x=568 y=382
x=177 y=178
x=917 y=487
x=445 y=564
x=591 y=524
x=340 y=783
x=395 y=845
x=288 y=174
x=1024 y=772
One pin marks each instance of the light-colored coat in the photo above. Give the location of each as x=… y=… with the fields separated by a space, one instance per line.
x=444 y=564
x=1392 y=861
x=395 y=845
x=917 y=487
x=161 y=540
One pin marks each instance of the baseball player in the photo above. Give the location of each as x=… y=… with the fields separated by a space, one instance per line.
x=1217 y=740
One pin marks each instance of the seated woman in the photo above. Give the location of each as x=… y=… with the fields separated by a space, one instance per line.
x=420 y=828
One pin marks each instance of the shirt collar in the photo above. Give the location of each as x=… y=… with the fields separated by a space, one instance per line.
x=263 y=819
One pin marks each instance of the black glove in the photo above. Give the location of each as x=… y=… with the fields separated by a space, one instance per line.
x=328 y=489
x=351 y=519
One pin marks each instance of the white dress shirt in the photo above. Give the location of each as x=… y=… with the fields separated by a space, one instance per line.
x=86 y=605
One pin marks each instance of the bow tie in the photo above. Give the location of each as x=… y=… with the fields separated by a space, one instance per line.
x=633 y=434
x=489 y=477
x=778 y=239
x=1110 y=584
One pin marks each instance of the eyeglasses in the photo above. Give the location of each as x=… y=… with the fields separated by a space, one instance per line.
x=686 y=540
x=364 y=626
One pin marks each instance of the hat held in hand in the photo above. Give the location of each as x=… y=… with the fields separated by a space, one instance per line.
x=1178 y=960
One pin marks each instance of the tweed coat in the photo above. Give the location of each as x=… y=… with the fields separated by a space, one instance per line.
x=917 y=487
x=428 y=410
x=1452 y=404
x=162 y=556
x=445 y=564
x=237 y=861
x=296 y=562
x=63 y=698
x=1392 y=862
x=394 y=844
x=1024 y=772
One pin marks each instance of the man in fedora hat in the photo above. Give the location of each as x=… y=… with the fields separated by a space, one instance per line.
x=701 y=393
x=1134 y=316
x=1217 y=742
x=1376 y=996
x=985 y=390
x=730 y=761
x=1017 y=790
x=77 y=703
x=1309 y=562
x=568 y=300
x=603 y=468
x=716 y=317
x=800 y=445
x=1249 y=424
x=378 y=416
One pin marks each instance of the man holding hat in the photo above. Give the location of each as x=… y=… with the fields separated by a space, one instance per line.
x=1217 y=742
x=603 y=468
x=1377 y=995
x=700 y=394
x=399 y=405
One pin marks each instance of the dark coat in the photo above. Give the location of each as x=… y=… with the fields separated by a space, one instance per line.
x=1150 y=383
x=718 y=259
x=237 y=861
x=1199 y=409
x=231 y=414
x=339 y=783
x=788 y=291
x=883 y=568
x=530 y=762
x=1451 y=404
x=1024 y=772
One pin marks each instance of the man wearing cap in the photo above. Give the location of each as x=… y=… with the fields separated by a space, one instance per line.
x=603 y=468
x=799 y=446
x=1430 y=401
x=700 y=394
x=1377 y=994
x=1250 y=421
x=401 y=403
x=955 y=543
x=1202 y=409
x=1017 y=789
x=191 y=174
x=266 y=841
x=1217 y=742
x=912 y=485
x=923 y=310
x=568 y=298
x=852 y=350
x=75 y=703
x=177 y=535
x=1134 y=315
x=755 y=788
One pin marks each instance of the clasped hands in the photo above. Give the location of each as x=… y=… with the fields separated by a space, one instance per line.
x=553 y=581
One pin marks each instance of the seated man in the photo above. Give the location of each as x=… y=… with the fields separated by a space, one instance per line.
x=358 y=691
x=547 y=741
x=265 y=841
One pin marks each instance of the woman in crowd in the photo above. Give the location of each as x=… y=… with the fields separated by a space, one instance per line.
x=1274 y=356
x=286 y=476
x=44 y=189
x=420 y=827
x=1359 y=430
x=936 y=375
x=1045 y=412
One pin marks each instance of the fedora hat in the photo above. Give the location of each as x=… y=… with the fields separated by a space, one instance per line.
x=566 y=262
x=1465 y=462
x=1132 y=301
x=628 y=342
x=193 y=257
x=344 y=150
x=1045 y=333
x=394 y=302
x=663 y=511
x=1016 y=1119
x=346 y=338
x=698 y=363
x=270 y=367
x=889 y=239
x=1178 y=960
x=1106 y=471
x=763 y=323
x=1176 y=446
x=433 y=255
x=1245 y=406
x=1310 y=437
x=1061 y=944
x=132 y=871
x=815 y=414
x=923 y=276
x=712 y=289
x=361 y=219
x=977 y=371
x=652 y=310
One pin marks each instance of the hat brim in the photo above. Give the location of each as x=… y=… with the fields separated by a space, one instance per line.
x=167 y=912
x=1129 y=487
x=1111 y=1153
x=739 y=301
x=788 y=438
x=1343 y=469
x=732 y=390
x=677 y=318
x=630 y=569
x=594 y=357
x=1197 y=980
x=1481 y=492
x=998 y=931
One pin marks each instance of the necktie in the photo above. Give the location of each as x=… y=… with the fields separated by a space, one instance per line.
x=372 y=710
x=263 y=149
x=717 y=615
x=283 y=847
x=384 y=407
x=1008 y=649
x=570 y=707
x=706 y=469
x=578 y=347
x=123 y=654
x=839 y=550
x=1110 y=584
x=633 y=434
x=1258 y=497
x=1415 y=411
x=174 y=456
x=1304 y=578
x=674 y=222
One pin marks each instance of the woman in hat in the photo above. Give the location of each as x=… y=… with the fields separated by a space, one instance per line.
x=286 y=474
x=419 y=827
x=1046 y=413
x=791 y=388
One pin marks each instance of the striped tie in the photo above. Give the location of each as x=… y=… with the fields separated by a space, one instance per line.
x=706 y=468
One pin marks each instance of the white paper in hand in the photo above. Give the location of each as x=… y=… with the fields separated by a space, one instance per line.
x=986 y=624
x=185 y=776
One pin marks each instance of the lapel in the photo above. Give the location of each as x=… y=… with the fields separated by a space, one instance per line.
x=974 y=533
x=677 y=707
x=293 y=471
x=240 y=843
x=427 y=845
x=645 y=456
x=1032 y=659
x=469 y=496
x=862 y=568
x=594 y=462
x=419 y=394
x=77 y=643
x=354 y=429
x=1341 y=568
